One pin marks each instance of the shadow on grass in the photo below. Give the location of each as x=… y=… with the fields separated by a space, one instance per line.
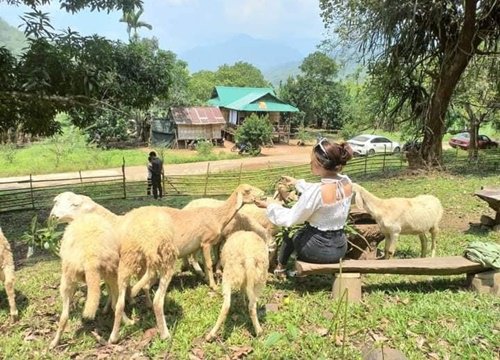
x=477 y=229
x=22 y=302
x=424 y=286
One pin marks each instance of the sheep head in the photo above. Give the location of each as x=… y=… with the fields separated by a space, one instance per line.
x=358 y=197
x=68 y=206
x=247 y=194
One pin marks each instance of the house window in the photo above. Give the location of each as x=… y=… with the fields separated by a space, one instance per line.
x=233 y=117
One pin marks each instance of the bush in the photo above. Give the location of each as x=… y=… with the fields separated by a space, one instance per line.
x=48 y=238
x=204 y=147
x=255 y=131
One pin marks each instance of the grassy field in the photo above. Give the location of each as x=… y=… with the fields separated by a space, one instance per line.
x=50 y=157
x=425 y=317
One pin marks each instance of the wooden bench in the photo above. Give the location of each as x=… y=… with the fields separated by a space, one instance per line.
x=348 y=273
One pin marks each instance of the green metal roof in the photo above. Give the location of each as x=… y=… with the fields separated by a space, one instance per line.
x=249 y=99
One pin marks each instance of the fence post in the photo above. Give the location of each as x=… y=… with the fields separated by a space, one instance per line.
x=239 y=175
x=31 y=193
x=206 y=179
x=80 y=174
x=383 y=161
x=123 y=177
x=366 y=163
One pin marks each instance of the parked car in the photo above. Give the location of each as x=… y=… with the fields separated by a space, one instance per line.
x=462 y=140
x=371 y=144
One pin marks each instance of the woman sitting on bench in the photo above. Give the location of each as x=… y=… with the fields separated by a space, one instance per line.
x=323 y=207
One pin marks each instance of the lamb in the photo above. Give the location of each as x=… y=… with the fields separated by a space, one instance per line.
x=395 y=216
x=146 y=242
x=7 y=274
x=197 y=228
x=245 y=261
x=89 y=252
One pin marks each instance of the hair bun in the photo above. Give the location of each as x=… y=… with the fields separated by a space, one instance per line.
x=345 y=153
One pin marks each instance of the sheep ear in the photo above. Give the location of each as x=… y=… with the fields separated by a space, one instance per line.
x=359 y=200
x=239 y=200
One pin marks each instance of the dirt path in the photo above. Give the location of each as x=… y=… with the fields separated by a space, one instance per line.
x=278 y=155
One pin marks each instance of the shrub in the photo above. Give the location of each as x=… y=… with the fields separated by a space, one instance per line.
x=204 y=147
x=255 y=131
x=9 y=152
x=48 y=237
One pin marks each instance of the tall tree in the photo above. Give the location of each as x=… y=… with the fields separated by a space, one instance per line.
x=133 y=23
x=316 y=92
x=420 y=49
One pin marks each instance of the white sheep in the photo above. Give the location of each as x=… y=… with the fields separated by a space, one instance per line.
x=245 y=260
x=196 y=228
x=402 y=216
x=68 y=206
x=89 y=253
x=7 y=275
x=146 y=242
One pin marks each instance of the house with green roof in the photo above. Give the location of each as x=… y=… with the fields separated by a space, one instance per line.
x=236 y=103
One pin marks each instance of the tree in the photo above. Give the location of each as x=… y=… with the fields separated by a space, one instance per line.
x=241 y=74
x=419 y=50
x=256 y=130
x=133 y=23
x=316 y=92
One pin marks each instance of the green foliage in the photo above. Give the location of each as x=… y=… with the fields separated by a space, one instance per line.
x=108 y=127
x=240 y=74
x=48 y=237
x=204 y=147
x=131 y=18
x=8 y=151
x=316 y=92
x=255 y=130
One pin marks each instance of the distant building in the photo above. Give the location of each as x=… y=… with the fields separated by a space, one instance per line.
x=236 y=103
x=185 y=125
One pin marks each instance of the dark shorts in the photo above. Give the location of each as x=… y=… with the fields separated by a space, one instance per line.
x=320 y=247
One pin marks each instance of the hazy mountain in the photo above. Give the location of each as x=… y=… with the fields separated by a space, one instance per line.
x=280 y=73
x=264 y=54
x=10 y=37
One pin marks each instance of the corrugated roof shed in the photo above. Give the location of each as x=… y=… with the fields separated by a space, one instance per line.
x=201 y=115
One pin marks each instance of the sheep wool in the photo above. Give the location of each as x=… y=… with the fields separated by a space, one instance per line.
x=7 y=275
x=245 y=260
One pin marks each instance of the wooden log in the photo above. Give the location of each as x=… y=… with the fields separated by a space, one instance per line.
x=451 y=265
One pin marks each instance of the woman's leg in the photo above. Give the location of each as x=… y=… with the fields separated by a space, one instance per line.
x=286 y=249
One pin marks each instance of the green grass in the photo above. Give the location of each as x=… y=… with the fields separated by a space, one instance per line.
x=42 y=158
x=423 y=316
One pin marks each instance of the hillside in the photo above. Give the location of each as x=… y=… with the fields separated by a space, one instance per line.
x=11 y=38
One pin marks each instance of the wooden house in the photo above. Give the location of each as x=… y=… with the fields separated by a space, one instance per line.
x=236 y=103
x=185 y=125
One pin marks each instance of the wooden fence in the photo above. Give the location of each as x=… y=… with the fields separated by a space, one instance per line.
x=27 y=193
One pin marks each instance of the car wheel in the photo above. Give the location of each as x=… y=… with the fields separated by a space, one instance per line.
x=397 y=150
x=371 y=152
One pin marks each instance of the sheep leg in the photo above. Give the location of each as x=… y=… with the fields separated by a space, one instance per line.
x=93 y=281
x=159 y=301
x=123 y=282
x=434 y=232
x=390 y=244
x=252 y=308
x=112 y=284
x=195 y=265
x=209 y=273
x=107 y=306
x=226 y=290
x=423 y=245
x=143 y=282
x=67 y=290
x=11 y=296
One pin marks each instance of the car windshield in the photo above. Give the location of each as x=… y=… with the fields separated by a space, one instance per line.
x=462 y=136
x=360 y=138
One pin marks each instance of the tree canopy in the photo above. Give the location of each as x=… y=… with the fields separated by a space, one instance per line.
x=417 y=51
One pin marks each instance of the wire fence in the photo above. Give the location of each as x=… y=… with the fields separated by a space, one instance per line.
x=28 y=193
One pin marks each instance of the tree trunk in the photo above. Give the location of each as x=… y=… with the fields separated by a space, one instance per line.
x=456 y=57
x=473 y=132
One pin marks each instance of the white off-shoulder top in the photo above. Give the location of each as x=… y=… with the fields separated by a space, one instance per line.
x=310 y=206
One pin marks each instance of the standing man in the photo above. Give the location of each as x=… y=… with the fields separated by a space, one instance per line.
x=156 y=174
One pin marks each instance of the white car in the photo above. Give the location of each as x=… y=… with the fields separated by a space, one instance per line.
x=371 y=144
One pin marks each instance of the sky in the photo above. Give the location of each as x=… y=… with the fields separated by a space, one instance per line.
x=180 y=25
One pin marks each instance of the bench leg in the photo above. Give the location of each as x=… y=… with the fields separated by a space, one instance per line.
x=349 y=281
x=487 y=282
